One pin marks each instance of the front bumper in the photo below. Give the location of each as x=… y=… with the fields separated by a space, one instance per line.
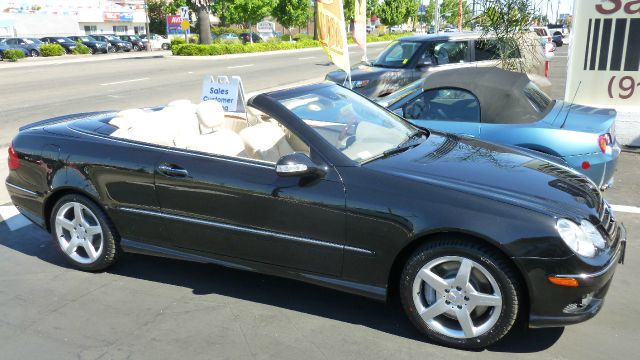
x=552 y=305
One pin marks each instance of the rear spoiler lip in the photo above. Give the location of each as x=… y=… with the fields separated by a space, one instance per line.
x=64 y=118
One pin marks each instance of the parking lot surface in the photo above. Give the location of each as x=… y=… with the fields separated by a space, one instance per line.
x=154 y=308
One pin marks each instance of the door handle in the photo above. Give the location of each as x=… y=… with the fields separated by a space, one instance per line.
x=173 y=171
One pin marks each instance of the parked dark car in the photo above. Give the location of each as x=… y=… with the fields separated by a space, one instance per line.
x=507 y=108
x=244 y=37
x=557 y=38
x=319 y=184
x=135 y=40
x=115 y=43
x=408 y=58
x=4 y=47
x=65 y=42
x=94 y=45
x=30 y=46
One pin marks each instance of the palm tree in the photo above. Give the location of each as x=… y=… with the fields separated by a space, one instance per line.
x=203 y=20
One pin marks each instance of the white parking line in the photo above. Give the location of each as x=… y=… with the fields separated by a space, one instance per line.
x=626 y=209
x=238 y=66
x=124 y=81
x=307 y=58
x=12 y=217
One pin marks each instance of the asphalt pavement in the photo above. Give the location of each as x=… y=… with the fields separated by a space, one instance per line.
x=154 y=308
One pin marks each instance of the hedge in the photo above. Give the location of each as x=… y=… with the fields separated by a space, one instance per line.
x=181 y=49
x=81 y=49
x=221 y=49
x=51 y=50
x=13 y=54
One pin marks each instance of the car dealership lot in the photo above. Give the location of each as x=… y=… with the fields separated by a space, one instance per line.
x=158 y=308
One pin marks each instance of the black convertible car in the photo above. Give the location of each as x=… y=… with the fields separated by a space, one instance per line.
x=319 y=184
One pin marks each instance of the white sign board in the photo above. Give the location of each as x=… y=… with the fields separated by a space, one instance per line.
x=184 y=13
x=223 y=89
x=604 y=61
x=605 y=53
x=266 y=27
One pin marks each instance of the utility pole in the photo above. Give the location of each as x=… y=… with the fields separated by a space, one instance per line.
x=146 y=26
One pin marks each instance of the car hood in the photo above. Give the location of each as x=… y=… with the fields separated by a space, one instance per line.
x=359 y=72
x=497 y=172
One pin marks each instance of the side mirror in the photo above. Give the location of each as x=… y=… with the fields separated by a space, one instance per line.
x=298 y=164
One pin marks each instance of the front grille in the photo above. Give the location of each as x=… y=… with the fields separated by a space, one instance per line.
x=608 y=222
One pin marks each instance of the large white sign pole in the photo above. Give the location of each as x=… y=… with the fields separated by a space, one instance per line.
x=604 y=61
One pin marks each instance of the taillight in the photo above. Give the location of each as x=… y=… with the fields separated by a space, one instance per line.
x=14 y=161
x=603 y=141
x=546 y=68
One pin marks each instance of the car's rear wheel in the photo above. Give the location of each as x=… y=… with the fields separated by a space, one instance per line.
x=34 y=53
x=165 y=46
x=92 y=50
x=460 y=294
x=83 y=233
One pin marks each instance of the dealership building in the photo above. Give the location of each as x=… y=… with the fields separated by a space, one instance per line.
x=39 y=18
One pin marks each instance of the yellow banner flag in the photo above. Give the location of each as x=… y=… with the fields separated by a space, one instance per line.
x=332 y=32
x=360 y=23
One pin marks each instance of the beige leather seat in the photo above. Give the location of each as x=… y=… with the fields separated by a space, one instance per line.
x=214 y=139
x=266 y=141
x=211 y=112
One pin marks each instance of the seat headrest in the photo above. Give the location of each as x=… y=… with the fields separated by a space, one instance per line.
x=210 y=114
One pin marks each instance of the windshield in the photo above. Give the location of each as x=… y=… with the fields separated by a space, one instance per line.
x=37 y=41
x=28 y=41
x=352 y=124
x=109 y=37
x=397 y=54
x=85 y=38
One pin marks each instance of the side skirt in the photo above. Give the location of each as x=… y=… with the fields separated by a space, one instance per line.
x=373 y=292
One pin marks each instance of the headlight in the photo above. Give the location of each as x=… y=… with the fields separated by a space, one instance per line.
x=359 y=83
x=583 y=239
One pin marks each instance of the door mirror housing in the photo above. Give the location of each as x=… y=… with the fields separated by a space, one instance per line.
x=298 y=164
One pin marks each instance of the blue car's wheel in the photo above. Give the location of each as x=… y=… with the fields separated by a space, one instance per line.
x=34 y=53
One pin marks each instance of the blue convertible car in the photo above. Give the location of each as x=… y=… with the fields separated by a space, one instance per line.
x=507 y=108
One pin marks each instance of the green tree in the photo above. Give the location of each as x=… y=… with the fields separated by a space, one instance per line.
x=349 y=10
x=392 y=12
x=157 y=16
x=249 y=12
x=224 y=10
x=506 y=23
x=291 y=13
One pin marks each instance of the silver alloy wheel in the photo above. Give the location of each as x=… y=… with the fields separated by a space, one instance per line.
x=79 y=232
x=457 y=297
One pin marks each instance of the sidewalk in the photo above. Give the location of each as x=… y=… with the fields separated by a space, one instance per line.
x=70 y=59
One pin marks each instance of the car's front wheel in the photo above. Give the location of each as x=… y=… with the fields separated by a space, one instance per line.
x=165 y=46
x=83 y=233
x=34 y=53
x=136 y=48
x=460 y=293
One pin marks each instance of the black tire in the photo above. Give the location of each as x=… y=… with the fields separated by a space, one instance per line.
x=165 y=46
x=500 y=269
x=92 y=51
x=113 y=49
x=1 y=56
x=110 y=239
x=34 y=53
x=136 y=48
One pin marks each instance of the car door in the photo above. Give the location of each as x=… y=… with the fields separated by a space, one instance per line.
x=446 y=109
x=237 y=207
